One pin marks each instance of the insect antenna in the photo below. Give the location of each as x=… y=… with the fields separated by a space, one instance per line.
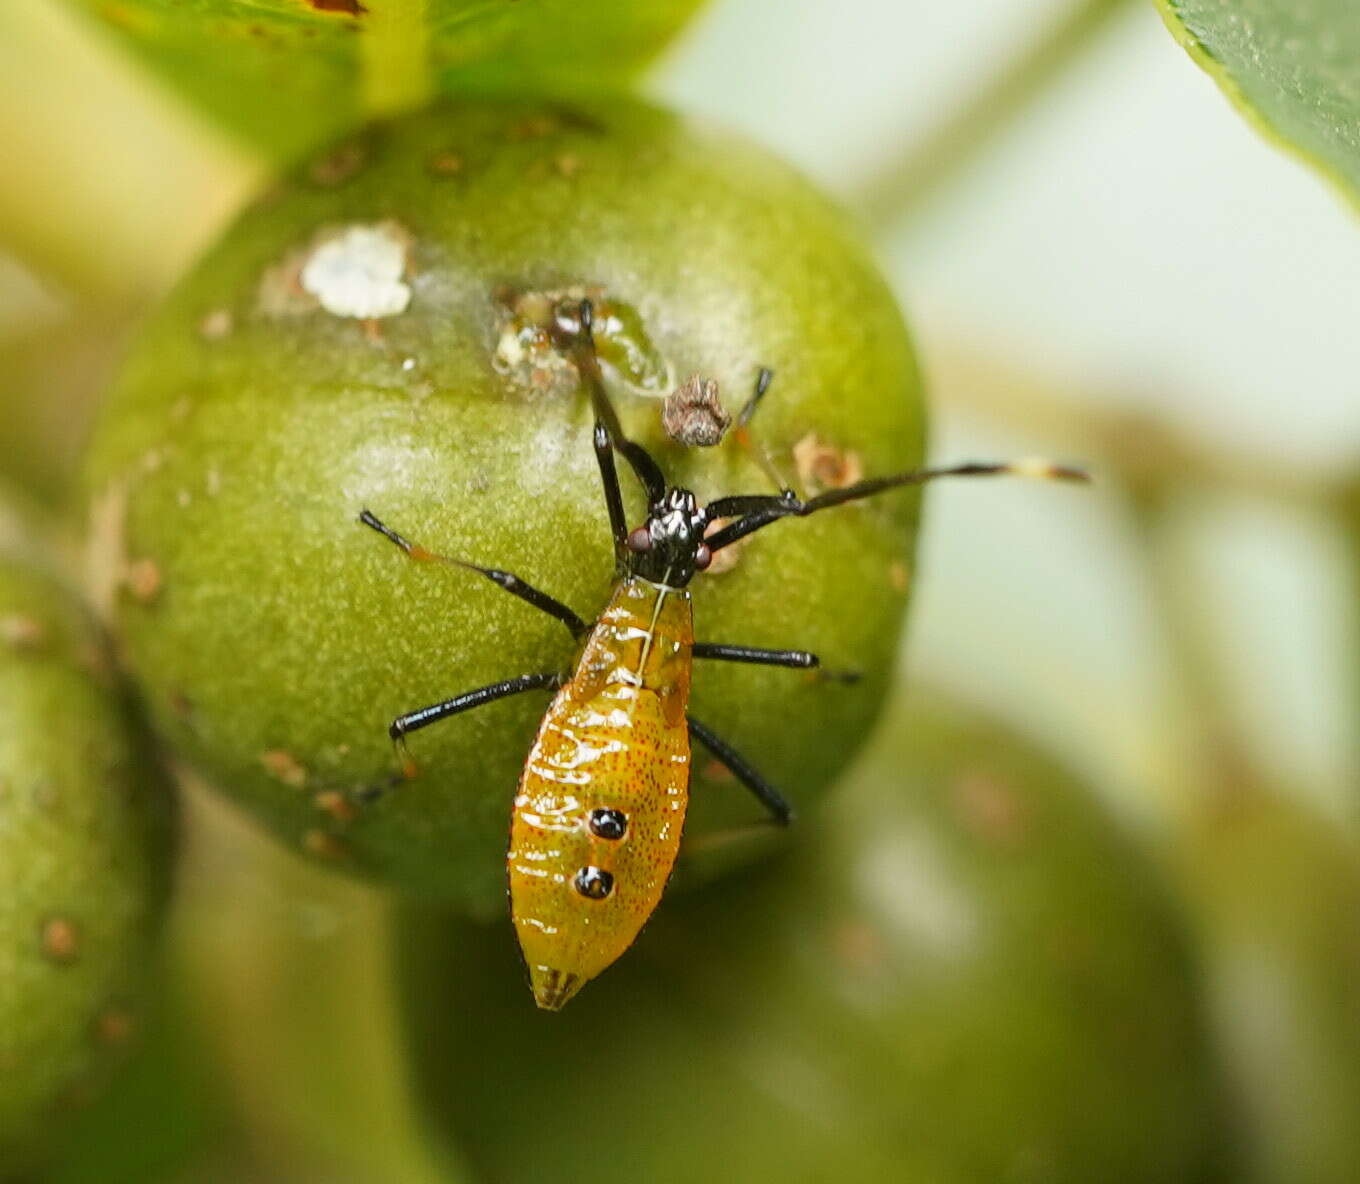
x=753 y=512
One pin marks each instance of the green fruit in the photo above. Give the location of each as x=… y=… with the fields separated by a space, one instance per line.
x=82 y=863
x=275 y=638
x=1275 y=892
x=961 y=972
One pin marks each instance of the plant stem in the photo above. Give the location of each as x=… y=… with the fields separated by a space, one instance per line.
x=902 y=185
x=394 y=57
x=105 y=215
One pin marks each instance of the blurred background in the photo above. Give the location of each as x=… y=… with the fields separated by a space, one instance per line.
x=1108 y=929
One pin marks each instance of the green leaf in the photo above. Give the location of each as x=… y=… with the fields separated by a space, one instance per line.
x=289 y=74
x=1291 y=66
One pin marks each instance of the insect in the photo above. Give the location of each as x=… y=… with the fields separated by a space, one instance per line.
x=597 y=820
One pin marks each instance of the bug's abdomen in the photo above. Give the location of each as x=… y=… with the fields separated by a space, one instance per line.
x=597 y=820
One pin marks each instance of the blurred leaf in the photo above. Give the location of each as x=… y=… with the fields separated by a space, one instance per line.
x=1292 y=67
x=290 y=74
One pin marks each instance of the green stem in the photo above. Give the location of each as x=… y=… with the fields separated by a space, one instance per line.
x=904 y=184
x=106 y=216
x=394 y=57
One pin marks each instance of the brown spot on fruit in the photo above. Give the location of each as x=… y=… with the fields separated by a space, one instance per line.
x=324 y=845
x=534 y=127
x=823 y=466
x=725 y=560
x=567 y=165
x=216 y=325
x=114 y=1026
x=143 y=580
x=898 y=576
x=858 y=946
x=336 y=804
x=339 y=165
x=283 y=766
x=714 y=770
x=445 y=164
x=693 y=415
x=338 y=7
x=60 y=940
x=989 y=807
x=22 y=633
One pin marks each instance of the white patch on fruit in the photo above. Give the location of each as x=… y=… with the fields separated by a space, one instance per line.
x=360 y=272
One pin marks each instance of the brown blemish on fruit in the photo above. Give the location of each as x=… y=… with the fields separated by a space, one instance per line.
x=324 y=845
x=337 y=7
x=714 y=770
x=143 y=580
x=181 y=704
x=525 y=352
x=532 y=323
x=858 y=946
x=445 y=165
x=216 y=325
x=280 y=292
x=725 y=560
x=114 y=1026
x=990 y=809
x=283 y=766
x=823 y=466
x=535 y=127
x=336 y=804
x=22 y=633
x=567 y=164
x=339 y=165
x=45 y=796
x=693 y=415
x=898 y=576
x=60 y=940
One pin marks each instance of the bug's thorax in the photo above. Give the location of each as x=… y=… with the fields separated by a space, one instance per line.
x=642 y=641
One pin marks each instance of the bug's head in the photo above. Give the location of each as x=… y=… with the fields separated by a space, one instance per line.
x=669 y=547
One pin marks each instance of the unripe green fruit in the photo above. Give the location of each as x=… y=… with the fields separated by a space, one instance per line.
x=276 y=638
x=83 y=841
x=959 y=973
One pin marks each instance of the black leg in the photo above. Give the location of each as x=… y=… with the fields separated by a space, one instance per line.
x=613 y=496
x=796 y=659
x=580 y=344
x=507 y=580
x=413 y=721
x=770 y=798
x=754 y=511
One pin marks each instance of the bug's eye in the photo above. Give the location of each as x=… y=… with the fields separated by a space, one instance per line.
x=640 y=540
x=702 y=557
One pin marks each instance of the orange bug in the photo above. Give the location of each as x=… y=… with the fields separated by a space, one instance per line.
x=596 y=824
